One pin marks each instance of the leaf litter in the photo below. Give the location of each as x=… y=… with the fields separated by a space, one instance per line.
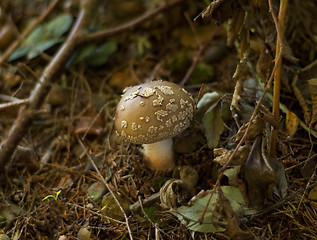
x=259 y=195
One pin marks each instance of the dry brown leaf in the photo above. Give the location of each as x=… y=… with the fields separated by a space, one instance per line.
x=255 y=129
x=222 y=155
x=233 y=223
x=313 y=194
x=220 y=10
x=291 y=123
x=264 y=64
x=89 y=123
x=234 y=26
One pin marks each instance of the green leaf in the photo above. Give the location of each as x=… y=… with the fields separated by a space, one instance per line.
x=189 y=216
x=207 y=100
x=203 y=73
x=101 y=53
x=43 y=37
x=41 y=47
x=84 y=52
x=213 y=221
x=213 y=125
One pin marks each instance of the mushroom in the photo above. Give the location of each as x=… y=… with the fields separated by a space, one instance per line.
x=152 y=114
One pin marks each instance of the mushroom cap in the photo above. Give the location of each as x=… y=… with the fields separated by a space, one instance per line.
x=153 y=111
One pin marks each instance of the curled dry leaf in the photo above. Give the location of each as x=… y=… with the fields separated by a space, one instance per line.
x=175 y=193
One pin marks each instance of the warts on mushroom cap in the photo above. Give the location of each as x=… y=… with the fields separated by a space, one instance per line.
x=153 y=111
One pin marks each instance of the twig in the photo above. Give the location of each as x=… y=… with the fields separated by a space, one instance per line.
x=197 y=57
x=17 y=103
x=101 y=35
x=280 y=25
x=106 y=184
x=27 y=31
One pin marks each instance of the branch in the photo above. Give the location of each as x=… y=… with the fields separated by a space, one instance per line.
x=101 y=35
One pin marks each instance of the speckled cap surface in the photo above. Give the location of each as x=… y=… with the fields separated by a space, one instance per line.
x=153 y=111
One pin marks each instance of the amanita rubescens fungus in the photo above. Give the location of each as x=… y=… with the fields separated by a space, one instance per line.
x=152 y=114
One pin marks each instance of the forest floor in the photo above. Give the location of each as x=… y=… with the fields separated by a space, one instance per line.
x=66 y=174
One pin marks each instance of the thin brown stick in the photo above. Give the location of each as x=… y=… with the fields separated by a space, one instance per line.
x=17 y=103
x=198 y=55
x=107 y=185
x=280 y=27
x=27 y=31
x=102 y=35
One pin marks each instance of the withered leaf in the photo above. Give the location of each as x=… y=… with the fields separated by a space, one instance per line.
x=234 y=26
x=255 y=129
x=89 y=123
x=220 y=10
x=265 y=63
x=291 y=123
x=222 y=155
x=232 y=218
x=258 y=176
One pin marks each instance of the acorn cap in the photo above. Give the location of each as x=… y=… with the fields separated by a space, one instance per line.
x=153 y=111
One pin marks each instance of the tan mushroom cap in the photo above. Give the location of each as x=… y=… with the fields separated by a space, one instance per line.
x=153 y=111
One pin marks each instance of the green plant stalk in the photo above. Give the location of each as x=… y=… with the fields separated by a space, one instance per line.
x=51 y=196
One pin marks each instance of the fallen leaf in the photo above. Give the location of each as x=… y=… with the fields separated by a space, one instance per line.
x=89 y=123
x=291 y=123
x=213 y=220
x=222 y=155
x=313 y=194
x=96 y=191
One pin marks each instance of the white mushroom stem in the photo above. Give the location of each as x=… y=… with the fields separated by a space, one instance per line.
x=160 y=154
